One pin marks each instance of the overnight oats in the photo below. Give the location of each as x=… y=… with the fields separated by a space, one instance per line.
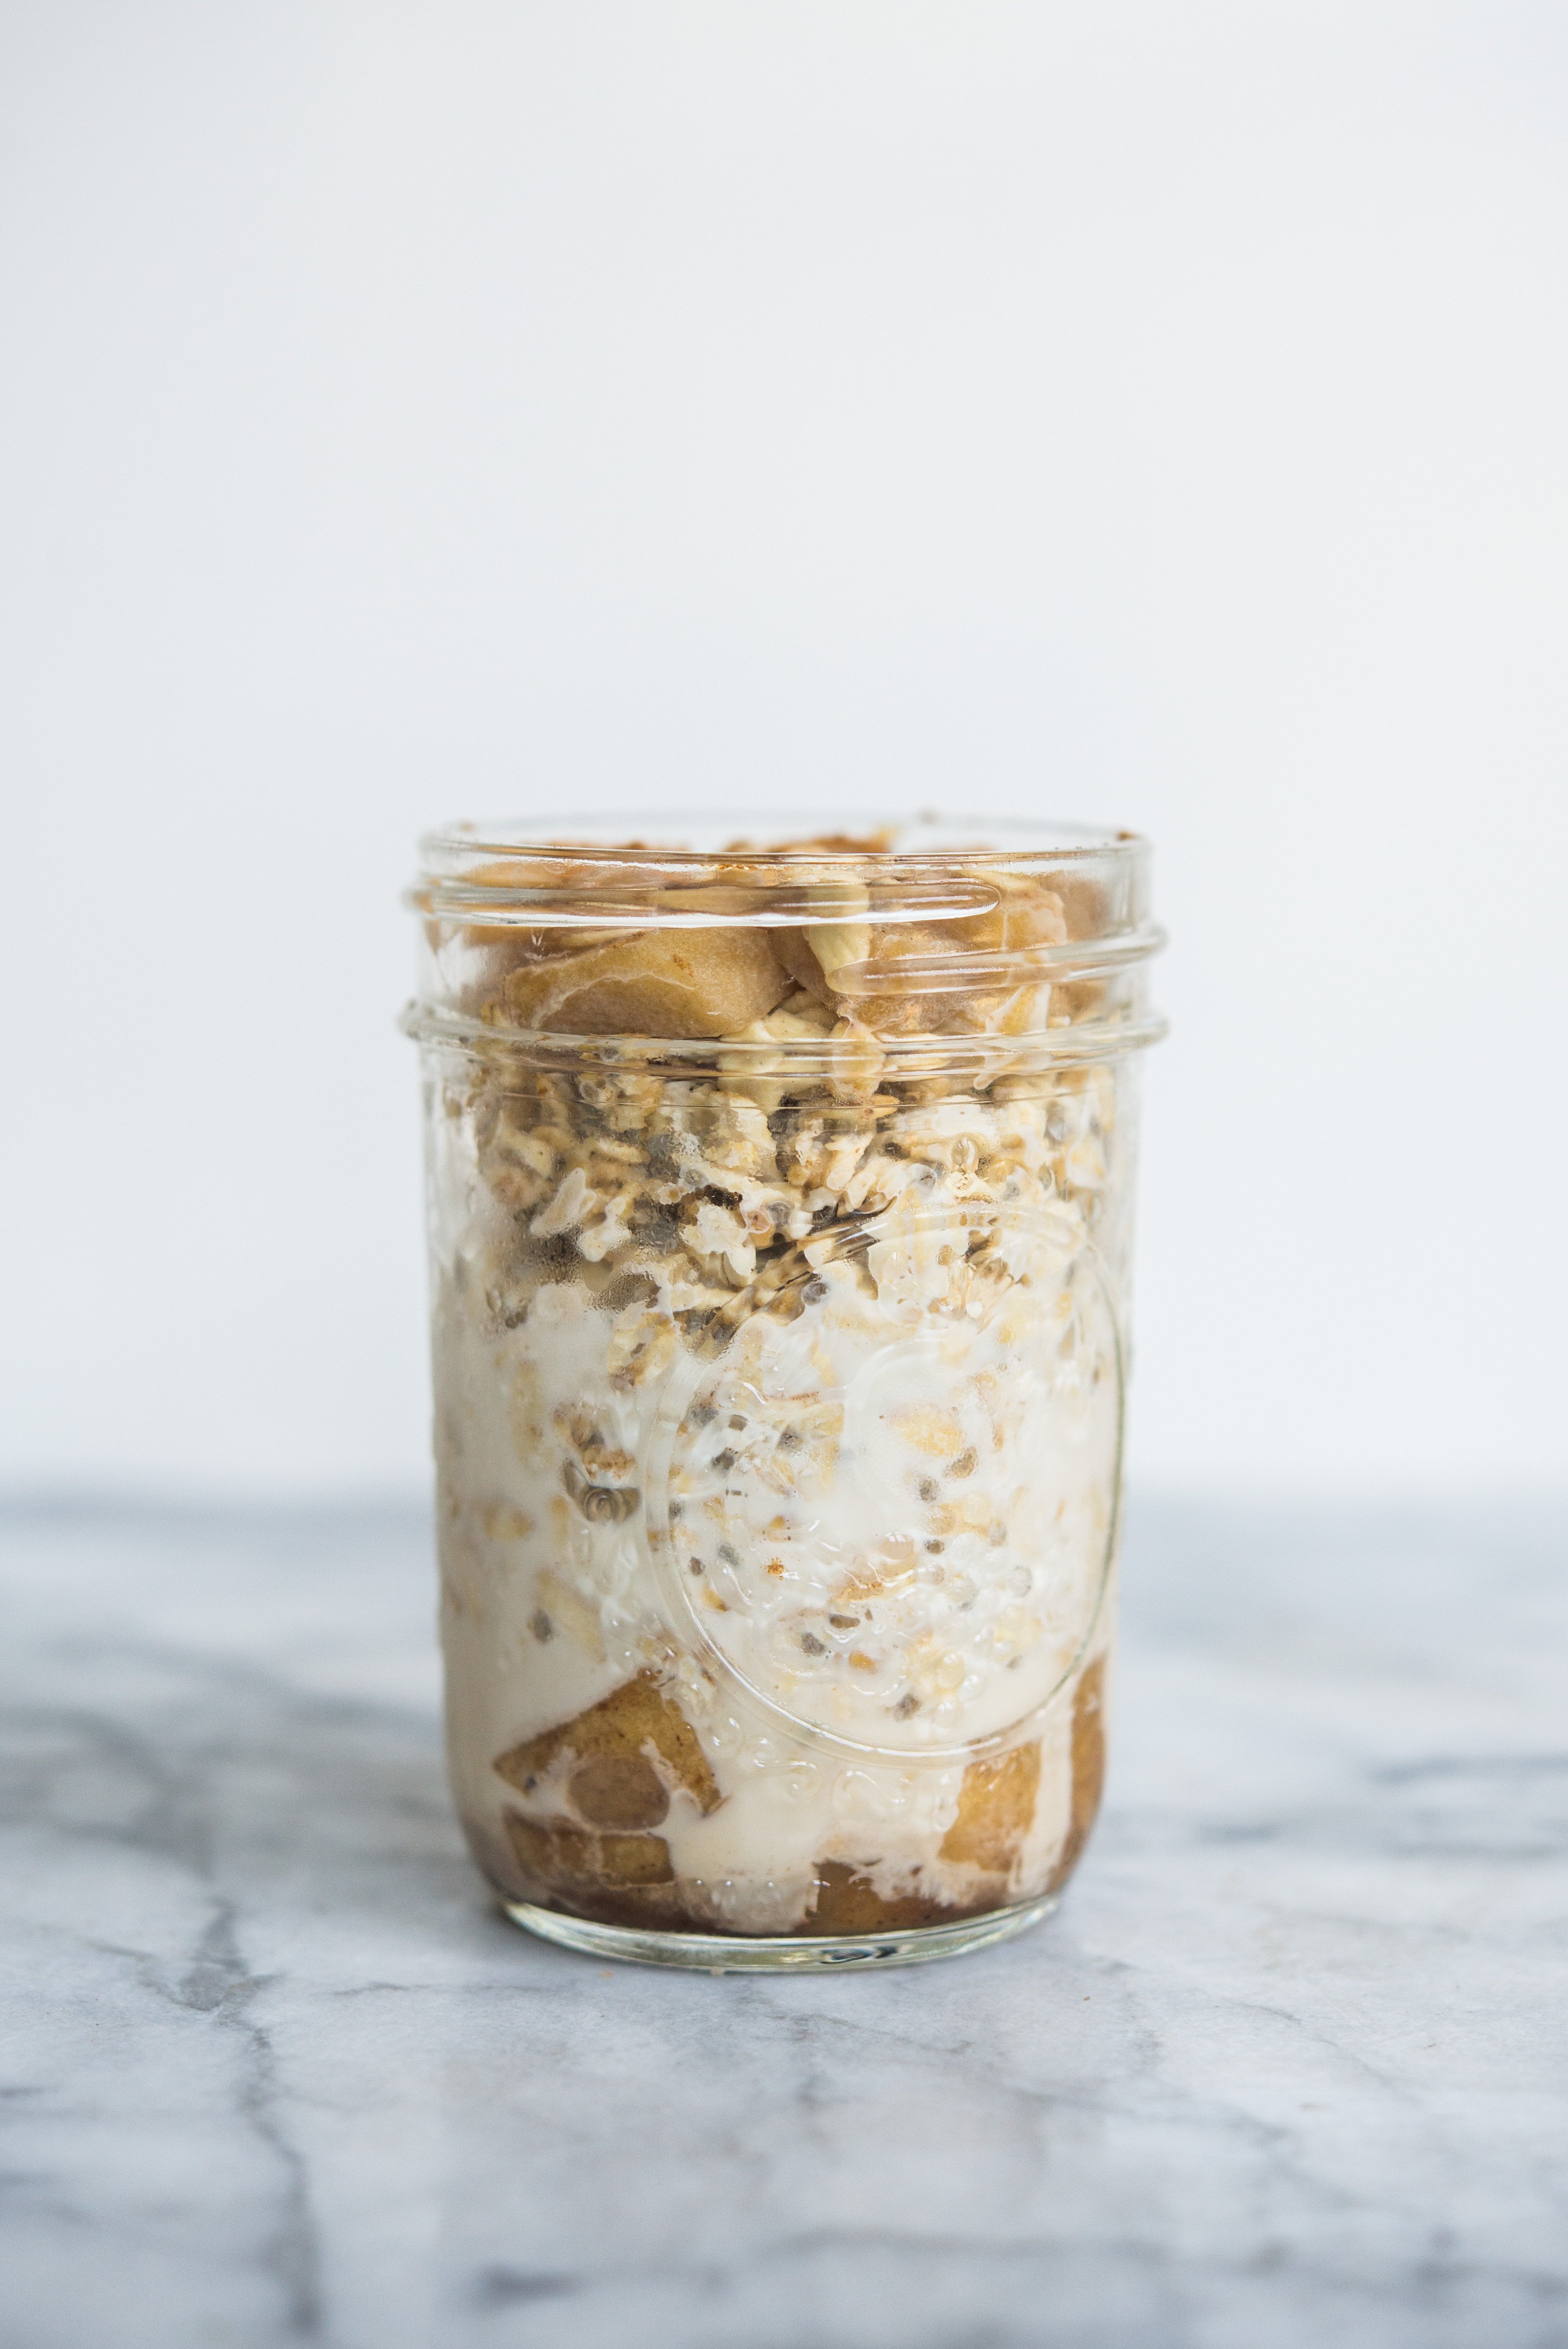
x=780 y=1205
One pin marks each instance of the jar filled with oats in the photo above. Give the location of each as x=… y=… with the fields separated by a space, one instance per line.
x=779 y=1216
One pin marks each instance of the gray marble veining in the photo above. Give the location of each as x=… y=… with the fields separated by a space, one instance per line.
x=1290 y=2067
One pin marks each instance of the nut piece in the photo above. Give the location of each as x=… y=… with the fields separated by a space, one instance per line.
x=996 y=1810
x=621 y=1728
x=652 y=983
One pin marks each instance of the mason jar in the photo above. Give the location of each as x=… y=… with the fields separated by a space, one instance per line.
x=779 y=1208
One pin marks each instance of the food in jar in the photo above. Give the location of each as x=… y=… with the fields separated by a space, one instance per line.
x=778 y=1402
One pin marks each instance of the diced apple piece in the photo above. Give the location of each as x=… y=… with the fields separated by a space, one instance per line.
x=1089 y=1767
x=996 y=1810
x=676 y=983
x=637 y=1727
x=564 y=1857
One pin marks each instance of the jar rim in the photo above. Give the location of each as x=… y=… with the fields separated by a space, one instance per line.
x=788 y=837
x=484 y=883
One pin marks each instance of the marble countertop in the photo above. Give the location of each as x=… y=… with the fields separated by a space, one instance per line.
x=1290 y=2067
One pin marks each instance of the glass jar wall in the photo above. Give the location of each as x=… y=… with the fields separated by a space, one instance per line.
x=779 y=1204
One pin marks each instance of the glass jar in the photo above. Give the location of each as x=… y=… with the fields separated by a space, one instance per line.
x=779 y=1208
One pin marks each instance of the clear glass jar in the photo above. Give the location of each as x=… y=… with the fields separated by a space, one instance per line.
x=780 y=1209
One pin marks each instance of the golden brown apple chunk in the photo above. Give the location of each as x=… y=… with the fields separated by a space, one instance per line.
x=628 y=1752
x=848 y=1902
x=677 y=983
x=996 y=1810
x=1089 y=1767
x=1026 y=915
x=565 y=1856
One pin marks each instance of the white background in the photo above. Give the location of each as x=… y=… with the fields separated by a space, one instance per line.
x=1147 y=413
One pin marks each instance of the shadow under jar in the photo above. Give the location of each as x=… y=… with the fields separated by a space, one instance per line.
x=779 y=1208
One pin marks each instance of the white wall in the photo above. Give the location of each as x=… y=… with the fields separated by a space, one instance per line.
x=1138 y=412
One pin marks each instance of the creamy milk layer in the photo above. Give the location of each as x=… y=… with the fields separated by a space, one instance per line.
x=857 y=1522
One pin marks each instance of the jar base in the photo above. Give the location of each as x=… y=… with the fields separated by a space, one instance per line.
x=734 y=1953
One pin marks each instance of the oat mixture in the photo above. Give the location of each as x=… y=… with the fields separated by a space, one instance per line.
x=778 y=1410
